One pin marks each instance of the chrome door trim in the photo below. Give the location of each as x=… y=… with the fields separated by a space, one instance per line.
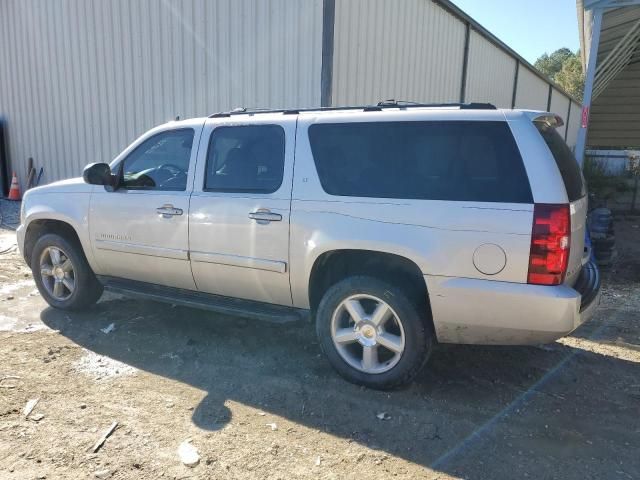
x=141 y=249
x=240 y=261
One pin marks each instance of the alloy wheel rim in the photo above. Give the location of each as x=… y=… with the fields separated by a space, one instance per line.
x=368 y=334
x=57 y=273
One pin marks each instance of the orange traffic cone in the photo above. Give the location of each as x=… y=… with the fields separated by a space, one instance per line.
x=14 y=191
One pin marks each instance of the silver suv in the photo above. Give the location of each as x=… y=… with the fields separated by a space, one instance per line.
x=392 y=226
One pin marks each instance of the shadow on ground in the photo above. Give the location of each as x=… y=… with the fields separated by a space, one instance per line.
x=476 y=412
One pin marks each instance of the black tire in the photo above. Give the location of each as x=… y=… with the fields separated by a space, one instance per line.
x=88 y=289
x=604 y=243
x=418 y=336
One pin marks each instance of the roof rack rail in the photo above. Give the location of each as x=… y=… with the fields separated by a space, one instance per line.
x=409 y=104
x=401 y=104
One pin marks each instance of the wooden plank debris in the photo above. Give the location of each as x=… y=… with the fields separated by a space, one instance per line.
x=103 y=438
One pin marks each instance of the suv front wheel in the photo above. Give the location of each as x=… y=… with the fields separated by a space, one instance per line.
x=372 y=334
x=62 y=274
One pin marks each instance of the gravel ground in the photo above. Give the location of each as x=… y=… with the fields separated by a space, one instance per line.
x=9 y=214
x=258 y=400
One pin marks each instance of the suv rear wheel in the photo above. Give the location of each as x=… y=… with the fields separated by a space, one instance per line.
x=372 y=334
x=62 y=274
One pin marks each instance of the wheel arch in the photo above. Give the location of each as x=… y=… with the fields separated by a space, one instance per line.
x=334 y=265
x=41 y=226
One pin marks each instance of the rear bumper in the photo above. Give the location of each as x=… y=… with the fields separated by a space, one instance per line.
x=473 y=311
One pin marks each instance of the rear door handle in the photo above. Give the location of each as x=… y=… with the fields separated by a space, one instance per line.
x=265 y=216
x=168 y=211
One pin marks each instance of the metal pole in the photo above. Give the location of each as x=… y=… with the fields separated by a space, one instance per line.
x=328 y=45
x=588 y=84
x=465 y=63
x=514 y=93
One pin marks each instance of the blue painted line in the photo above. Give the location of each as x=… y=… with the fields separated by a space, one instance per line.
x=519 y=401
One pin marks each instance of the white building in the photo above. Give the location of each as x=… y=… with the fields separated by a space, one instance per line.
x=81 y=79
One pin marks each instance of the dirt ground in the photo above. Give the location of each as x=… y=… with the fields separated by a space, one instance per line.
x=258 y=400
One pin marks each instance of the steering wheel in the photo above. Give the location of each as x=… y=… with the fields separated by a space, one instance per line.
x=170 y=175
x=174 y=169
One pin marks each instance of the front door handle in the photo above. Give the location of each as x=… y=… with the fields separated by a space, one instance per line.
x=168 y=211
x=265 y=216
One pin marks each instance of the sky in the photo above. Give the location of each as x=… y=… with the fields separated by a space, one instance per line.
x=530 y=27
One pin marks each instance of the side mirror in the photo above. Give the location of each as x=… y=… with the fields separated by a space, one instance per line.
x=97 y=174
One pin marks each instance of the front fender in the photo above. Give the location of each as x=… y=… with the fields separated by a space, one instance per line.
x=70 y=208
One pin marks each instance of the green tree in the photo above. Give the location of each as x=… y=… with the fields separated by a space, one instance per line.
x=565 y=68
x=571 y=78
x=550 y=65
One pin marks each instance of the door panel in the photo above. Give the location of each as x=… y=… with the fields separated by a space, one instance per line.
x=235 y=256
x=141 y=231
x=131 y=240
x=239 y=240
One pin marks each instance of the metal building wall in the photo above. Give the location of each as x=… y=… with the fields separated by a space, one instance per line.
x=81 y=79
x=415 y=50
x=574 y=124
x=615 y=113
x=532 y=92
x=490 y=74
x=560 y=106
x=410 y=50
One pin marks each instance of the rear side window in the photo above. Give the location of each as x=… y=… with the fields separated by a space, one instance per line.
x=566 y=161
x=460 y=161
x=245 y=159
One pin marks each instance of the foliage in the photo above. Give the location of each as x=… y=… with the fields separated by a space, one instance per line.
x=600 y=184
x=571 y=78
x=565 y=68
x=550 y=65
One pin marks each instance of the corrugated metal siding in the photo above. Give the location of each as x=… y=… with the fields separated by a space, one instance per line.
x=560 y=106
x=81 y=79
x=532 y=92
x=574 y=124
x=615 y=114
x=410 y=50
x=490 y=73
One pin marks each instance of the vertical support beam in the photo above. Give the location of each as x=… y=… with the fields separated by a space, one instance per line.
x=549 y=98
x=328 y=31
x=588 y=84
x=5 y=166
x=566 y=122
x=515 y=84
x=465 y=63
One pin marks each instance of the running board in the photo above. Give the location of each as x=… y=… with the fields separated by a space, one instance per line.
x=215 y=303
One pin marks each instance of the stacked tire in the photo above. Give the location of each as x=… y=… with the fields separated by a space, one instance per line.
x=603 y=237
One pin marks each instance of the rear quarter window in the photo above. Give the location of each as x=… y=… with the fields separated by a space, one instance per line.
x=566 y=161
x=458 y=161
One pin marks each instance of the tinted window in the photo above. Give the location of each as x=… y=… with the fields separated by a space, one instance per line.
x=245 y=159
x=567 y=163
x=160 y=162
x=471 y=161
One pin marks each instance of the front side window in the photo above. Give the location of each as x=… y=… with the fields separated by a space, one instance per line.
x=454 y=160
x=246 y=159
x=160 y=162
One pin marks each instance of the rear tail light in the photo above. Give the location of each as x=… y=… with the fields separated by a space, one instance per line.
x=550 y=240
